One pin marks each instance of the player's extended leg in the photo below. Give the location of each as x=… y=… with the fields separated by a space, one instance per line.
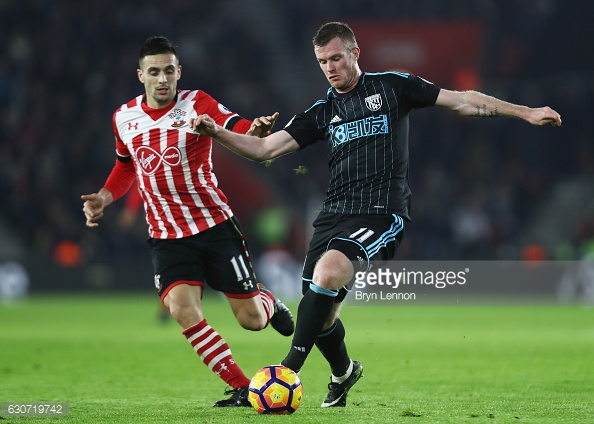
x=332 y=272
x=185 y=305
x=231 y=271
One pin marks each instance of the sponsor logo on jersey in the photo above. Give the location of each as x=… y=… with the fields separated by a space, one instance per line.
x=365 y=127
x=150 y=160
x=178 y=117
x=335 y=119
x=374 y=102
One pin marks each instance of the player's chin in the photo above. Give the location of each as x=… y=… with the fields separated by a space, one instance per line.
x=336 y=84
x=165 y=98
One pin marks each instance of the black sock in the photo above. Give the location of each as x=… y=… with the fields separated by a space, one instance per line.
x=331 y=344
x=313 y=311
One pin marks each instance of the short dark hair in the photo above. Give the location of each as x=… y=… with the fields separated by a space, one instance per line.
x=156 y=45
x=331 y=30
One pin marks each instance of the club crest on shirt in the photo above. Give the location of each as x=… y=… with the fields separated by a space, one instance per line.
x=374 y=102
x=178 y=118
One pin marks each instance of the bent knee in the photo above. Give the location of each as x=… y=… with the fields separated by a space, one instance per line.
x=333 y=271
x=331 y=279
x=186 y=315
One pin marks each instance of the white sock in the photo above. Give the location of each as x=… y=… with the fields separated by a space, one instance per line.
x=345 y=376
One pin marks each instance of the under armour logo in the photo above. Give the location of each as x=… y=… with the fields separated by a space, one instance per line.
x=299 y=348
x=222 y=368
x=149 y=159
x=132 y=126
x=248 y=285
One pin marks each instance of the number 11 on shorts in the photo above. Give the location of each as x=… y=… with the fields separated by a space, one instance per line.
x=240 y=268
x=366 y=234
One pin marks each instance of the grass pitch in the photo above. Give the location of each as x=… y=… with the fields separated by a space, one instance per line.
x=112 y=361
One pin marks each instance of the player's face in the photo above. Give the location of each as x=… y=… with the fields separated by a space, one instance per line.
x=339 y=64
x=159 y=74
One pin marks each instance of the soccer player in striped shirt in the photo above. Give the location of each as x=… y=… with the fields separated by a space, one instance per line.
x=364 y=121
x=193 y=235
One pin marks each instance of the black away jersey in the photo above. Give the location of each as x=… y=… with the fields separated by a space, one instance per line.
x=366 y=131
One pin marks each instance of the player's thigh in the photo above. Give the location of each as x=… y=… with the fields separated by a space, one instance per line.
x=368 y=238
x=361 y=238
x=184 y=295
x=176 y=262
x=333 y=270
x=227 y=263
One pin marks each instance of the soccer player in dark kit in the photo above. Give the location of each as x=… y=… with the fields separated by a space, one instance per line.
x=364 y=119
x=194 y=237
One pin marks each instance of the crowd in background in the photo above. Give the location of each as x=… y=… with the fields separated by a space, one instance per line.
x=66 y=66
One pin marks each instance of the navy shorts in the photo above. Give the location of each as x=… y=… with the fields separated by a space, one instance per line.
x=217 y=257
x=362 y=238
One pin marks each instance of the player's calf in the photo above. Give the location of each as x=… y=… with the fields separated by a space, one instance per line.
x=282 y=318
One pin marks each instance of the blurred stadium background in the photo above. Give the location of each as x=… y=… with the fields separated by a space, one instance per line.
x=497 y=189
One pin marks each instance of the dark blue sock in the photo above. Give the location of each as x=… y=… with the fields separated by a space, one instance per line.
x=313 y=311
x=331 y=344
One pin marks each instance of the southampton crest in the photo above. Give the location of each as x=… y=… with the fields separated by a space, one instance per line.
x=374 y=102
x=178 y=117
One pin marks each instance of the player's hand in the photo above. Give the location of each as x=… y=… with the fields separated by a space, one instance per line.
x=262 y=126
x=545 y=115
x=204 y=125
x=93 y=208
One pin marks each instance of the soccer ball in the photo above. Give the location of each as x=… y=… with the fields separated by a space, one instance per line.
x=275 y=389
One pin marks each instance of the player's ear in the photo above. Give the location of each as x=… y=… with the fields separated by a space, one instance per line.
x=140 y=77
x=179 y=69
x=356 y=51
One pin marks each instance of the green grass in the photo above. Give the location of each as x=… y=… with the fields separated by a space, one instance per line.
x=112 y=361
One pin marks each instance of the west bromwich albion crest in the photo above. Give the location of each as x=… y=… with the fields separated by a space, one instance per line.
x=374 y=102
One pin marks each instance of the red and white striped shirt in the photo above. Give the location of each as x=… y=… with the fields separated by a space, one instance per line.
x=173 y=164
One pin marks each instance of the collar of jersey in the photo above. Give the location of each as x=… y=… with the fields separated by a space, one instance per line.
x=156 y=114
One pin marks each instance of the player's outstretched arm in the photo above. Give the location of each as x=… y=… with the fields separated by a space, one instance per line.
x=94 y=205
x=251 y=147
x=479 y=105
